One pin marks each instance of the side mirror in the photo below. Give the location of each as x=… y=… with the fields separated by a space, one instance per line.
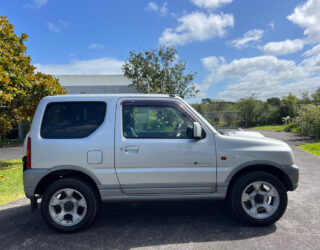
x=197 y=130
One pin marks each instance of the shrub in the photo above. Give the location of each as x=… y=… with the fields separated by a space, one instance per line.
x=292 y=127
x=308 y=120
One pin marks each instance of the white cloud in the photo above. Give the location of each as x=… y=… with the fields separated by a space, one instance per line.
x=284 y=47
x=312 y=58
x=58 y=26
x=99 y=66
x=52 y=27
x=271 y=25
x=212 y=62
x=36 y=4
x=210 y=4
x=197 y=26
x=314 y=51
x=152 y=6
x=96 y=46
x=265 y=76
x=264 y=86
x=248 y=39
x=162 y=10
x=307 y=16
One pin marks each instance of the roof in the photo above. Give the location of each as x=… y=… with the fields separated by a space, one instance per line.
x=112 y=95
x=97 y=97
x=92 y=80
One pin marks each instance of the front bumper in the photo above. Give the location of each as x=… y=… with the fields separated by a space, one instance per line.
x=292 y=171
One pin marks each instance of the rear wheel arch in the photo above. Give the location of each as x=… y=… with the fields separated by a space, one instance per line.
x=283 y=177
x=65 y=173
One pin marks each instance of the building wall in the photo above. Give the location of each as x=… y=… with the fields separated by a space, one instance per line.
x=95 y=84
x=100 y=89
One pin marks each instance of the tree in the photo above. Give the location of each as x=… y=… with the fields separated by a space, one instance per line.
x=316 y=97
x=289 y=106
x=252 y=107
x=158 y=71
x=305 y=98
x=274 y=101
x=20 y=87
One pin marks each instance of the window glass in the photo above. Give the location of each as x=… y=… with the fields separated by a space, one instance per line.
x=70 y=120
x=155 y=122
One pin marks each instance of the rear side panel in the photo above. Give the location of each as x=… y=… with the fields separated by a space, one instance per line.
x=94 y=153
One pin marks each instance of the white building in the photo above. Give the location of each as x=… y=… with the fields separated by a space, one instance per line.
x=95 y=84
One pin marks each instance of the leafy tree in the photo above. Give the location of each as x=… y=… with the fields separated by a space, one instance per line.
x=252 y=107
x=157 y=71
x=305 y=99
x=316 y=97
x=308 y=120
x=274 y=101
x=20 y=87
x=289 y=106
x=206 y=101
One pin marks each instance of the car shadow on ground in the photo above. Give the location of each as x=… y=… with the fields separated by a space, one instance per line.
x=129 y=225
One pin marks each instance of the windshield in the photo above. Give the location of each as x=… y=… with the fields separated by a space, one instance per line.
x=204 y=120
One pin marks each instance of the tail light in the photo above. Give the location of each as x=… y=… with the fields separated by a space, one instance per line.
x=29 y=153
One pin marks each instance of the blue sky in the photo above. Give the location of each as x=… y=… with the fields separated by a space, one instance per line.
x=265 y=47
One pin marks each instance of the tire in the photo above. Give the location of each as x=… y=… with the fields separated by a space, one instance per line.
x=69 y=205
x=250 y=203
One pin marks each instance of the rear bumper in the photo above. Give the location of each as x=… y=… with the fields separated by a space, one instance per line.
x=292 y=172
x=31 y=178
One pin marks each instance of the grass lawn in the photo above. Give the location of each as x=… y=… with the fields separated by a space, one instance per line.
x=313 y=148
x=11 y=183
x=271 y=127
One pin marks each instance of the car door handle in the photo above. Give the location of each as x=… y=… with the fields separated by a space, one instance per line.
x=131 y=148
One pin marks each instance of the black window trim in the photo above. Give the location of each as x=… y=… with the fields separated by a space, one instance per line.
x=158 y=103
x=79 y=138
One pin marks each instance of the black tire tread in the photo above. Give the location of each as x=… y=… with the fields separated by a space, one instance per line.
x=236 y=192
x=86 y=189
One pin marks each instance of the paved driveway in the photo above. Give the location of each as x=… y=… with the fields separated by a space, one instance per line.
x=179 y=225
x=10 y=153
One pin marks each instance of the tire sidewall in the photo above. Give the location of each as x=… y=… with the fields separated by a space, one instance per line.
x=238 y=190
x=88 y=194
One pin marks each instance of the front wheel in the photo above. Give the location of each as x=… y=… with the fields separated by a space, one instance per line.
x=258 y=198
x=69 y=205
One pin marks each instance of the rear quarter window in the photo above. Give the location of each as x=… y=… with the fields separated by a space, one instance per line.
x=72 y=120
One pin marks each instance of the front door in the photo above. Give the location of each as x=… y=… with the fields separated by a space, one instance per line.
x=155 y=152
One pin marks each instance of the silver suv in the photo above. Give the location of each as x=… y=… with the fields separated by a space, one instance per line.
x=83 y=149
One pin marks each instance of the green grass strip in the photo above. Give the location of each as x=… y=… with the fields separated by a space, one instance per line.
x=11 y=181
x=313 y=148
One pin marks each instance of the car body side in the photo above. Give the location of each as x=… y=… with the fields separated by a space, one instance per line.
x=231 y=155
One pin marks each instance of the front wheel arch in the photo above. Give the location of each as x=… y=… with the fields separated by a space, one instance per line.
x=263 y=168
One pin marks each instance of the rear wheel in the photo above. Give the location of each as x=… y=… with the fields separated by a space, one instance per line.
x=258 y=198
x=69 y=205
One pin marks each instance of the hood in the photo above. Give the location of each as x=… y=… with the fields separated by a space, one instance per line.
x=255 y=138
x=241 y=133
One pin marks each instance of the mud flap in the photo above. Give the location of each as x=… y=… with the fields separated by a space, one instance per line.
x=34 y=204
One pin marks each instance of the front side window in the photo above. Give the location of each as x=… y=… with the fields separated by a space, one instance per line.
x=156 y=122
x=71 y=120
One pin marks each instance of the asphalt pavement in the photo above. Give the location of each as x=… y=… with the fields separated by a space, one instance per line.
x=9 y=153
x=179 y=224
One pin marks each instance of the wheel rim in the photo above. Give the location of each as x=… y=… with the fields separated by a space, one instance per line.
x=67 y=207
x=260 y=200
